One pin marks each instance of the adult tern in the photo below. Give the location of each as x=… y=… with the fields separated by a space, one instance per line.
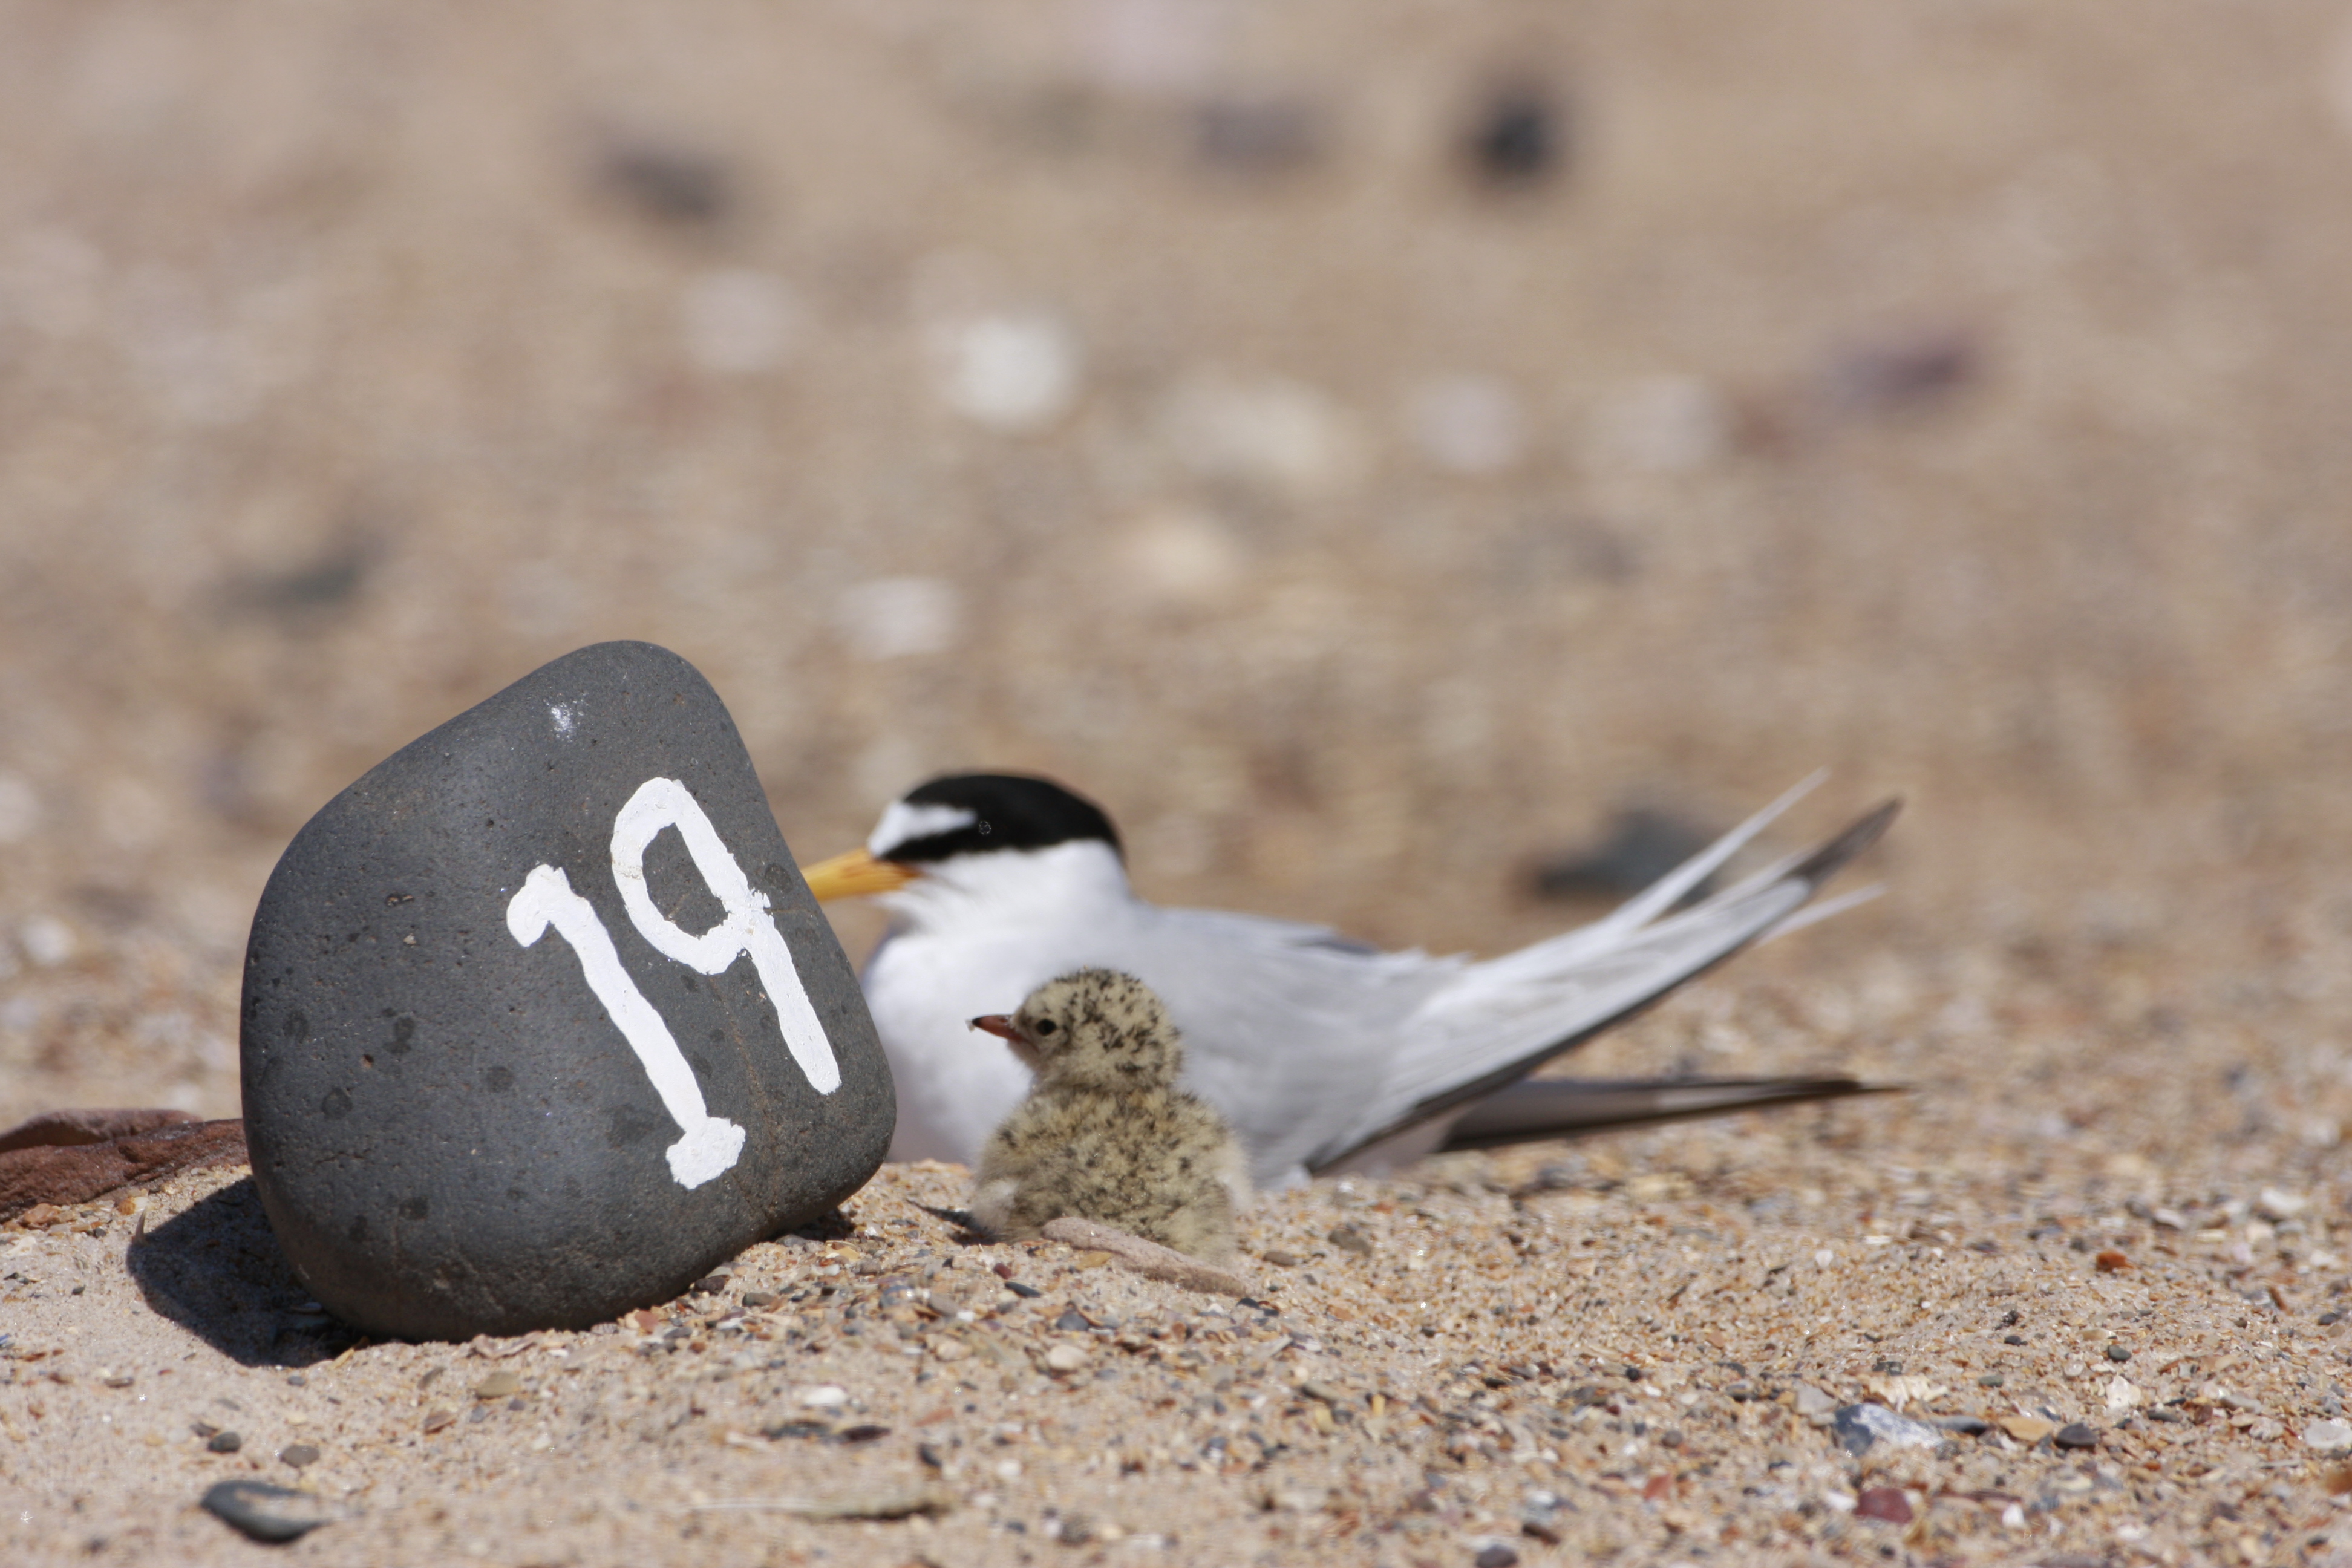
x=1324 y=1054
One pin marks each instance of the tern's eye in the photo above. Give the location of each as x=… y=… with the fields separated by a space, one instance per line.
x=1046 y=1025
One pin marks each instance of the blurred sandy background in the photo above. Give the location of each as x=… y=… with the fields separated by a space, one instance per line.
x=1364 y=444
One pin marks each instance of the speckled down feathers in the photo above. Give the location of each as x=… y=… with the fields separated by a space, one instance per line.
x=1104 y=1133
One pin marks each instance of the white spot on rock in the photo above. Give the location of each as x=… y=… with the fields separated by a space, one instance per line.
x=560 y=713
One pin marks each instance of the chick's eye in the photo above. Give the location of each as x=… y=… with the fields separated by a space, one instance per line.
x=1046 y=1025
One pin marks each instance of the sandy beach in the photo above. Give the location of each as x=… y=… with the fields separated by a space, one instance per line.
x=1368 y=448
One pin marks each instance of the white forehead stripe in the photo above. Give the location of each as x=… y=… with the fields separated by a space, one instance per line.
x=903 y=824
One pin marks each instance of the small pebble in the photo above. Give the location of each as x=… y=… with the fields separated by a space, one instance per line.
x=1468 y=424
x=1519 y=139
x=883 y=1502
x=2112 y=1262
x=759 y=1298
x=1495 y=1556
x=1017 y=374
x=899 y=617
x=2274 y=1204
x=1886 y=1503
x=1257 y=136
x=739 y=320
x=434 y=1420
x=497 y=1386
x=1860 y=1428
x=669 y=184
x=1348 y=1239
x=1026 y=1292
x=299 y=1454
x=1072 y=1321
x=1664 y=425
x=1991 y=1380
x=226 y=1443
x=2075 y=1435
x=264 y=1512
x=1280 y=1259
x=2329 y=1436
x=1066 y=1358
x=2026 y=1428
x=2118 y=1354
x=1899 y=374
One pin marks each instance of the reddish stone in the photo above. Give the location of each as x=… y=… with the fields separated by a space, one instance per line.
x=76 y=1172
x=57 y=1129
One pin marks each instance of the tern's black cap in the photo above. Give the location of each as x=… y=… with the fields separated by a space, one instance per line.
x=971 y=813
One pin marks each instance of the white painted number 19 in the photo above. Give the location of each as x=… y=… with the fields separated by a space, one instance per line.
x=711 y=1144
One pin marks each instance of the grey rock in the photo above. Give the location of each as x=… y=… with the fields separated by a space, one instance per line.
x=1862 y=1427
x=541 y=1023
x=264 y=1512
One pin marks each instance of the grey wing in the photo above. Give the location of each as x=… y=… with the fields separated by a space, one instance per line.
x=1290 y=1030
x=1498 y=1020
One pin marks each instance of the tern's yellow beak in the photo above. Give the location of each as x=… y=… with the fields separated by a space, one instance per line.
x=855 y=875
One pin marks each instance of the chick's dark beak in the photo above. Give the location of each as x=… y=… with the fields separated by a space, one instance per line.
x=997 y=1024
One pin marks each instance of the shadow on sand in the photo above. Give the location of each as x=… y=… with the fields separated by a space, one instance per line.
x=216 y=1271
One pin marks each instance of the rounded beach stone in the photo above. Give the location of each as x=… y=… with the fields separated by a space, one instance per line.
x=540 y=1023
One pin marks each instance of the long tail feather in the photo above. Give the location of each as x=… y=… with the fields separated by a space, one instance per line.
x=1537 y=1109
x=1609 y=978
